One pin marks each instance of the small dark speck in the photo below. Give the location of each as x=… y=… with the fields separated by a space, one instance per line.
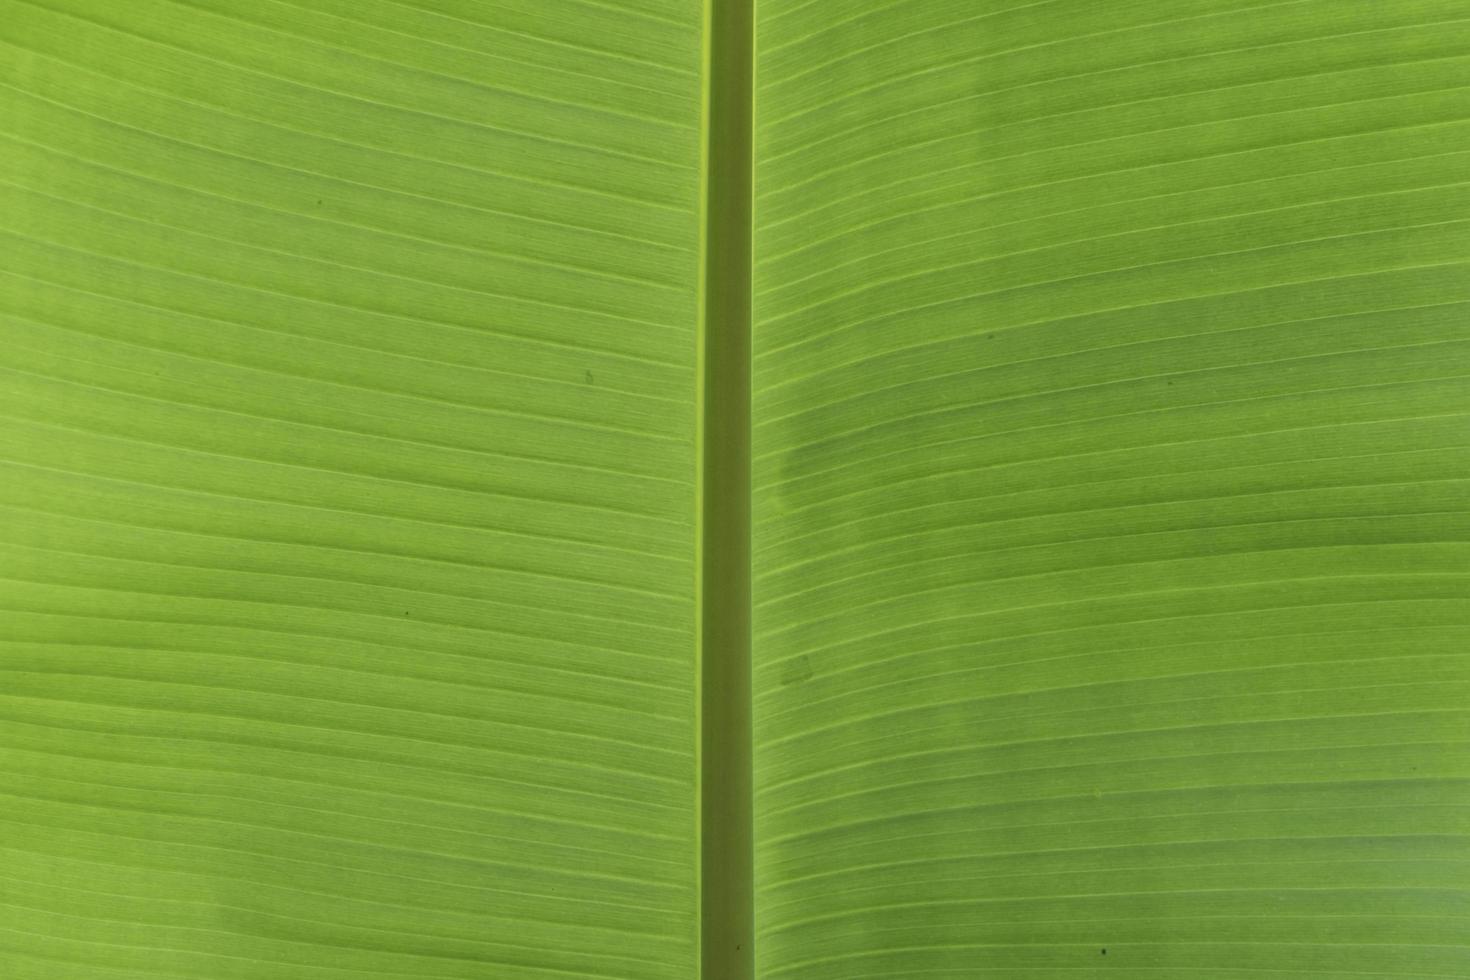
x=589 y=377
x=798 y=671
x=1105 y=952
x=318 y=201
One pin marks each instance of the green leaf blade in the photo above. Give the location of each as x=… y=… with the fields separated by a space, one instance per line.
x=349 y=505
x=1110 y=466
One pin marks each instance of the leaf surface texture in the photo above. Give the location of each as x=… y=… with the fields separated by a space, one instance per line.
x=1110 y=502
x=349 y=457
